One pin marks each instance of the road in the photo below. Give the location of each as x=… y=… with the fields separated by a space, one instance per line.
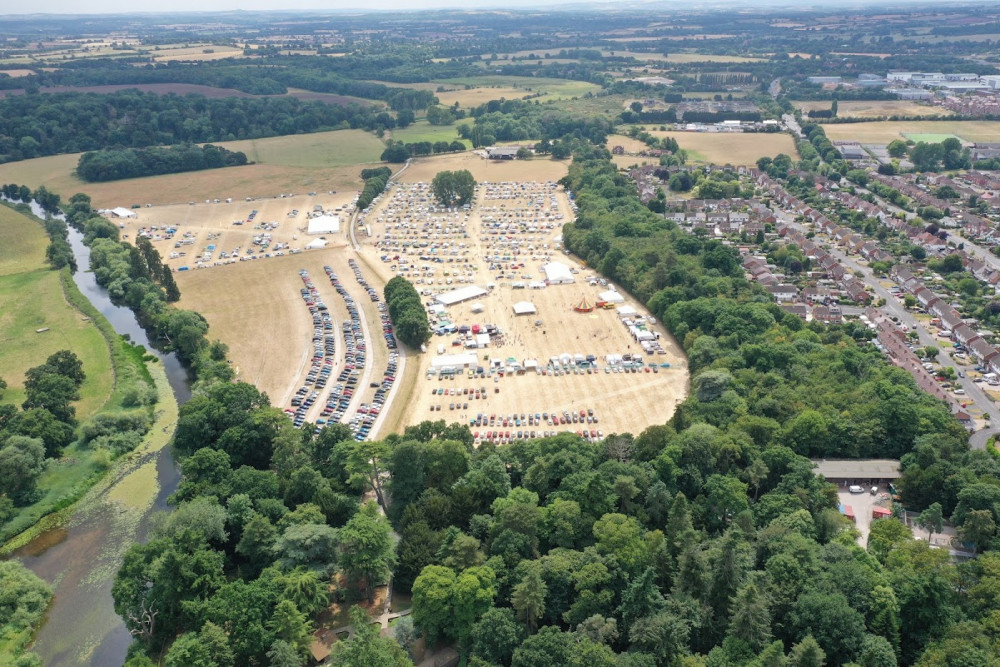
x=894 y=307
x=792 y=124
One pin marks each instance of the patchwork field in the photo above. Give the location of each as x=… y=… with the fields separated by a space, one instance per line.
x=733 y=148
x=876 y=109
x=32 y=298
x=882 y=132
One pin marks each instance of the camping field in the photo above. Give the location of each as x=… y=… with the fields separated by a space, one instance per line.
x=882 y=132
x=32 y=298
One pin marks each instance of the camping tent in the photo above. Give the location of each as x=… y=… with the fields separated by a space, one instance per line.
x=524 y=308
x=324 y=224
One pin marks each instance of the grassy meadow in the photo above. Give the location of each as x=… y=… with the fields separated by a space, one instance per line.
x=33 y=298
x=421 y=130
x=882 y=132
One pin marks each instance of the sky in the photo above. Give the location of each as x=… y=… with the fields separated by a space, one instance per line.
x=158 y=6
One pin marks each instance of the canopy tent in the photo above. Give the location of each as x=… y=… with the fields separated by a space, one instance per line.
x=524 y=308
x=454 y=360
x=316 y=243
x=477 y=307
x=324 y=224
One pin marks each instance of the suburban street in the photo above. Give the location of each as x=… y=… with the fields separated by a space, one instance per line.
x=894 y=307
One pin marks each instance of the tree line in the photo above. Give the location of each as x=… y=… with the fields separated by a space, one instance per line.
x=375 y=182
x=407 y=312
x=77 y=122
x=116 y=164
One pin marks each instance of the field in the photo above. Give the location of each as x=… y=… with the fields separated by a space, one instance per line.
x=685 y=57
x=473 y=97
x=549 y=89
x=299 y=163
x=733 y=148
x=876 y=109
x=424 y=131
x=32 y=299
x=929 y=138
x=882 y=132
x=319 y=149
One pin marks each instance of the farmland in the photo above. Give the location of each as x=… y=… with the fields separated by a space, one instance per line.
x=424 y=131
x=876 y=109
x=882 y=132
x=547 y=89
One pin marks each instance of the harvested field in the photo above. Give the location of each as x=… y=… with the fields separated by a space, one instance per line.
x=549 y=89
x=736 y=148
x=684 y=57
x=476 y=96
x=876 y=109
x=628 y=143
x=882 y=132
x=16 y=73
x=555 y=329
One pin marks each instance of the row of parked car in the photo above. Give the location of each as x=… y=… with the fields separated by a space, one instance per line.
x=506 y=437
x=355 y=356
x=324 y=349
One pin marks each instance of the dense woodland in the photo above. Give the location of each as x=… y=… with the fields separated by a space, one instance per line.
x=113 y=165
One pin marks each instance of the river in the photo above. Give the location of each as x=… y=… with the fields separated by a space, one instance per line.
x=81 y=556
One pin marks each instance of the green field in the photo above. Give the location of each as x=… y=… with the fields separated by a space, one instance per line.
x=424 y=131
x=321 y=149
x=928 y=137
x=882 y=132
x=32 y=299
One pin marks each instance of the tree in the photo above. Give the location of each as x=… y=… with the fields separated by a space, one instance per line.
x=290 y=625
x=367 y=554
x=367 y=647
x=472 y=596
x=829 y=618
x=312 y=545
x=496 y=635
x=307 y=590
x=931 y=520
x=208 y=647
x=432 y=602
x=897 y=148
x=22 y=461
x=979 y=528
x=528 y=599
x=876 y=652
x=751 y=617
x=453 y=188
x=807 y=653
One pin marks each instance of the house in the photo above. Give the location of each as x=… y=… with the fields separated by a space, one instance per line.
x=783 y=292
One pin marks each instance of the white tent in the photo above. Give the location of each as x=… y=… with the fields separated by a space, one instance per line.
x=316 y=244
x=121 y=212
x=557 y=273
x=627 y=311
x=477 y=307
x=482 y=340
x=524 y=308
x=324 y=224
x=612 y=296
x=461 y=294
x=464 y=360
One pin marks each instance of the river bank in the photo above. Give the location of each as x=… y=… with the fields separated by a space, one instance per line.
x=80 y=549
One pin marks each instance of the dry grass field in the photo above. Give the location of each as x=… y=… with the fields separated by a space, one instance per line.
x=882 y=132
x=876 y=109
x=628 y=143
x=537 y=169
x=549 y=89
x=15 y=73
x=474 y=97
x=318 y=149
x=683 y=57
x=733 y=148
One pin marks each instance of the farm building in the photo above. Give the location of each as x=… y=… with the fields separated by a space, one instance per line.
x=502 y=152
x=557 y=273
x=122 y=212
x=324 y=224
x=524 y=308
x=461 y=294
x=612 y=296
x=455 y=361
